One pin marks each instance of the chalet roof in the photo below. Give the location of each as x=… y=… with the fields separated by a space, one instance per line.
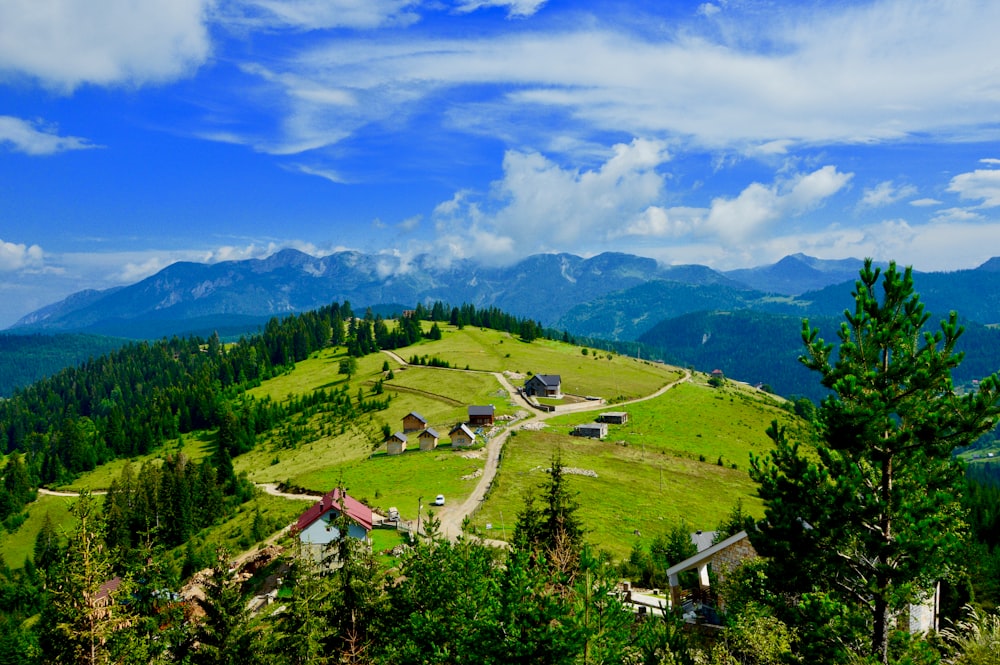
x=552 y=380
x=704 y=555
x=462 y=427
x=482 y=410
x=430 y=431
x=399 y=435
x=354 y=509
x=106 y=590
x=415 y=415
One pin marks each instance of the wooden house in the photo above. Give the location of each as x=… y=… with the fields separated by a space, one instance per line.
x=481 y=416
x=414 y=422
x=396 y=444
x=613 y=417
x=461 y=436
x=428 y=439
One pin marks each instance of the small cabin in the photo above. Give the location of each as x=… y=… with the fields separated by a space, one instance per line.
x=481 y=416
x=613 y=417
x=591 y=430
x=461 y=436
x=414 y=422
x=428 y=439
x=396 y=444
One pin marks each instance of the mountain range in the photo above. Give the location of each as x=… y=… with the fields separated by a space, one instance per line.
x=690 y=314
x=546 y=287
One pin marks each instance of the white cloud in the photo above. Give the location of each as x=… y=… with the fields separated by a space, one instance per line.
x=758 y=206
x=925 y=203
x=956 y=215
x=66 y=43
x=37 y=138
x=541 y=206
x=840 y=73
x=326 y=174
x=708 y=9
x=410 y=223
x=981 y=184
x=319 y=14
x=18 y=256
x=518 y=8
x=991 y=161
x=885 y=193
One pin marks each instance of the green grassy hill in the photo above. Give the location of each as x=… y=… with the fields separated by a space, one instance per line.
x=659 y=468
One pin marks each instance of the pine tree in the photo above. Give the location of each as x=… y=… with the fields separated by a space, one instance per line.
x=85 y=617
x=225 y=636
x=47 y=550
x=871 y=520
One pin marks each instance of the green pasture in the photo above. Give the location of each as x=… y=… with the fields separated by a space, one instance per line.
x=649 y=471
x=399 y=480
x=194 y=446
x=16 y=546
x=321 y=370
x=493 y=351
x=692 y=420
x=268 y=463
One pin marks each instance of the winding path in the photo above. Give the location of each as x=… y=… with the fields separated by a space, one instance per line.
x=452 y=516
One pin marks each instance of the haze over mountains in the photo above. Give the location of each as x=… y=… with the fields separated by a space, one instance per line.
x=746 y=321
x=613 y=296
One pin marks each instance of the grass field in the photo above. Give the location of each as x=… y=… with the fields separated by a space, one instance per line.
x=14 y=547
x=195 y=446
x=649 y=473
x=606 y=374
x=400 y=480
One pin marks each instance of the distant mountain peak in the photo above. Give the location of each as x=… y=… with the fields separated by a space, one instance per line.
x=991 y=265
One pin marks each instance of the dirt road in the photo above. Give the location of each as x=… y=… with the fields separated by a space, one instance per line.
x=452 y=516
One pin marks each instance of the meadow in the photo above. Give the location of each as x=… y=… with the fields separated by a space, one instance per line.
x=659 y=469
x=682 y=455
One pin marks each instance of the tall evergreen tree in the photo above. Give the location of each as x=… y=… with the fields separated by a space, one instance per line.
x=85 y=617
x=870 y=520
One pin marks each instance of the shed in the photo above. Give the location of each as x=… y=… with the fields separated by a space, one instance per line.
x=428 y=439
x=481 y=416
x=396 y=444
x=614 y=417
x=414 y=422
x=591 y=430
x=461 y=436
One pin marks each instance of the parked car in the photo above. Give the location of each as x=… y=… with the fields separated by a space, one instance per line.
x=439 y=501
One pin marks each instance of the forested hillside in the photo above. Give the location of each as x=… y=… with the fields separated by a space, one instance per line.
x=25 y=359
x=551 y=597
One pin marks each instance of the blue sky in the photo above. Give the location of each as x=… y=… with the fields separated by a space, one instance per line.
x=728 y=133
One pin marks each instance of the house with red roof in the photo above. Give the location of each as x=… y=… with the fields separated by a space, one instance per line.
x=317 y=527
